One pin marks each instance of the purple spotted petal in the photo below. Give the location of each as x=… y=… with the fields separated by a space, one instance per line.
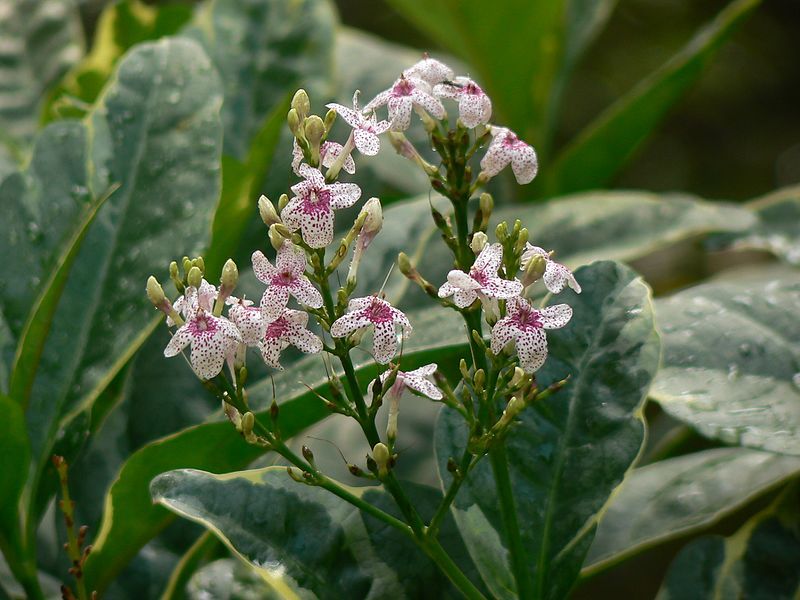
x=366 y=142
x=347 y=324
x=531 y=349
x=556 y=316
x=384 y=343
x=524 y=164
x=502 y=333
x=344 y=195
x=263 y=269
x=306 y=293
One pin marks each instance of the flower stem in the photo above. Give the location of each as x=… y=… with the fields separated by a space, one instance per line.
x=455 y=485
x=456 y=576
x=508 y=512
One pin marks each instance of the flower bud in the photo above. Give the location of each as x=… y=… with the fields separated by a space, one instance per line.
x=228 y=281
x=283 y=200
x=248 y=422
x=486 y=203
x=301 y=103
x=155 y=293
x=522 y=239
x=404 y=264
x=174 y=275
x=534 y=269
x=382 y=457
x=479 y=242
x=194 y=277
x=267 y=211
x=330 y=119
x=279 y=234
x=200 y=264
x=187 y=264
x=518 y=378
x=501 y=232
x=293 y=119
x=315 y=130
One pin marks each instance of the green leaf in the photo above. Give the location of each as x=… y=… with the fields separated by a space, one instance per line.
x=227 y=578
x=777 y=228
x=597 y=154
x=190 y=571
x=14 y=457
x=680 y=496
x=130 y=519
x=120 y=26
x=41 y=40
x=303 y=539
x=731 y=367
x=761 y=560
x=156 y=132
x=610 y=351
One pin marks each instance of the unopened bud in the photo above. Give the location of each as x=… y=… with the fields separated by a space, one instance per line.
x=374 y=216
x=186 y=264
x=462 y=366
x=501 y=232
x=248 y=422
x=194 y=277
x=404 y=264
x=330 y=119
x=230 y=275
x=478 y=380
x=515 y=406
x=355 y=470
x=486 y=203
x=267 y=211
x=279 y=234
x=382 y=457
x=518 y=378
x=173 y=270
x=293 y=119
x=308 y=455
x=315 y=130
x=534 y=269
x=479 y=242
x=200 y=264
x=301 y=103
x=155 y=293
x=283 y=200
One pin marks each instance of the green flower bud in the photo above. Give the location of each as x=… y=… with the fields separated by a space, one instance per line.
x=186 y=264
x=195 y=277
x=267 y=211
x=248 y=422
x=230 y=275
x=518 y=378
x=278 y=235
x=283 y=200
x=155 y=293
x=382 y=458
x=486 y=203
x=315 y=130
x=293 y=119
x=479 y=242
x=200 y=264
x=404 y=263
x=330 y=119
x=534 y=269
x=301 y=103
x=501 y=232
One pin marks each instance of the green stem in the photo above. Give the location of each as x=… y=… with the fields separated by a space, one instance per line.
x=455 y=485
x=435 y=551
x=508 y=512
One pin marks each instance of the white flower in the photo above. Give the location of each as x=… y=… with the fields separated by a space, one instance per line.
x=191 y=300
x=288 y=328
x=250 y=320
x=506 y=148
x=556 y=275
x=474 y=106
x=371 y=310
x=212 y=339
x=417 y=380
x=286 y=278
x=406 y=94
x=328 y=153
x=430 y=70
x=311 y=210
x=524 y=325
x=481 y=281
x=366 y=129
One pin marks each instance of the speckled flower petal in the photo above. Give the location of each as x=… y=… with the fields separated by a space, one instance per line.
x=367 y=142
x=344 y=195
x=359 y=303
x=423 y=386
x=306 y=293
x=180 y=339
x=490 y=259
x=556 y=276
x=531 y=349
x=384 y=343
x=431 y=105
x=463 y=298
x=424 y=371
x=274 y=301
x=378 y=101
x=502 y=288
x=347 y=324
x=271 y=352
x=330 y=151
x=495 y=159
x=430 y=70
x=305 y=341
x=262 y=268
x=524 y=164
x=459 y=279
x=400 y=112
x=250 y=321
x=556 y=316
x=502 y=333
x=315 y=221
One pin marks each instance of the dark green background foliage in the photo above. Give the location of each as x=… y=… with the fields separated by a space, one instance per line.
x=133 y=133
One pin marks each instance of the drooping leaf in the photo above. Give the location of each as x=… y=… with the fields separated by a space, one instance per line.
x=571 y=451
x=593 y=158
x=760 y=561
x=155 y=132
x=41 y=40
x=303 y=539
x=120 y=26
x=682 y=495
x=130 y=519
x=777 y=228
x=731 y=366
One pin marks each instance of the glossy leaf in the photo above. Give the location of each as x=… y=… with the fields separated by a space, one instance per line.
x=41 y=40
x=777 y=228
x=14 y=457
x=731 y=366
x=227 y=578
x=761 y=560
x=680 y=496
x=593 y=158
x=121 y=26
x=314 y=542
x=130 y=519
x=571 y=451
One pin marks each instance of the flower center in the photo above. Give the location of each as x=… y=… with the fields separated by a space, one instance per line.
x=277 y=329
x=528 y=319
x=283 y=278
x=317 y=201
x=479 y=276
x=378 y=312
x=202 y=326
x=473 y=89
x=512 y=141
x=402 y=88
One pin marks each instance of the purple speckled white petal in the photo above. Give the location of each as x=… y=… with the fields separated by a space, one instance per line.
x=350 y=116
x=424 y=371
x=463 y=298
x=524 y=164
x=330 y=151
x=359 y=303
x=495 y=159
x=384 y=343
x=366 y=142
x=344 y=195
x=346 y=324
x=180 y=339
x=460 y=280
x=250 y=321
x=502 y=288
x=263 y=269
x=304 y=340
x=271 y=352
x=306 y=293
x=490 y=259
x=502 y=333
x=400 y=112
x=378 y=101
x=423 y=386
x=274 y=301
x=430 y=104
x=556 y=276
x=290 y=259
x=556 y=316
x=531 y=349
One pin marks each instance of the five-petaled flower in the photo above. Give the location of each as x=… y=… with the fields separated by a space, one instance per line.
x=286 y=278
x=474 y=106
x=406 y=94
x=481 y=281
x=366 y=129
x=328 y=153
x=191 y=300
x=417 y=380
x=525 y=325
x=371 y=310
x=556 y=275
x=212 y=339
x=251 y=321
x=506 y=148
x=311 y=210
x=288 y=328
x=430 y=70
